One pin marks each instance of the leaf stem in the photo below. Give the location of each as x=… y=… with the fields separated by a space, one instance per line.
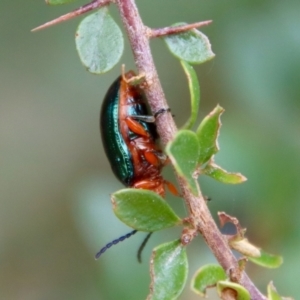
x=158 y=32
x=75 y=13
x=200 y=216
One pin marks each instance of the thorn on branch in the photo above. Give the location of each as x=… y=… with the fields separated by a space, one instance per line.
x=158 y=32
x=77 y=12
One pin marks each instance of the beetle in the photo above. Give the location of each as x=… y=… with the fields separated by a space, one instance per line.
x=129 y=138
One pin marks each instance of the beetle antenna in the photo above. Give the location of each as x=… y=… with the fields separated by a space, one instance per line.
x=142 y=246
x=114 y=242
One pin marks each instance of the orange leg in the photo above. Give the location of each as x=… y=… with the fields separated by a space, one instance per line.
x=171 y=187
x=136 y=127
x=155 y=186
x=152 y=158
x=146 y=184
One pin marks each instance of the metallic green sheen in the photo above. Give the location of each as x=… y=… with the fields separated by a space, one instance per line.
x=115 y=147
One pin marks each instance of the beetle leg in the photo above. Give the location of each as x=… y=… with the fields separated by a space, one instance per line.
x=152 y=158
x=156 y=158
x=160 y=157
x=136 y=127
x=150 y=119
x=153 y=185
x=147 y=119
x=146 y=184
x=171 y=187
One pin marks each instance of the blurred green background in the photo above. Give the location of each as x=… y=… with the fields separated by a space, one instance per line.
x=55 y=180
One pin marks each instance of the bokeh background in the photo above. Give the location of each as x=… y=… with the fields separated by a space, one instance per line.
x=55 y=211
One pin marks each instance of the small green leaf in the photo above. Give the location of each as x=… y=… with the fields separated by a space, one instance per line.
x=207 y=133
x=237 y=291
x=267 y=260
x=99 y=42
x=272 y=293
x=169 y=270
x=57 y=2
x=216 y=172
x=207 y=277
x=194 y=92
x=184 y=152
x=192 y=46
x=143 y=210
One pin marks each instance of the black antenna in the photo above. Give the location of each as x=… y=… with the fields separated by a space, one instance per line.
x=142 y=246
x=114 y=242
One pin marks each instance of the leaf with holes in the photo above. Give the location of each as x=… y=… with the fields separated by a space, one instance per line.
x=99 y=42
x=169 y=270
x=231 y=290
x=207 y=277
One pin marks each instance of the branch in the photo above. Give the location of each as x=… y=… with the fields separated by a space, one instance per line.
x=175 y=29
x=200 y=216
x=75 y=13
